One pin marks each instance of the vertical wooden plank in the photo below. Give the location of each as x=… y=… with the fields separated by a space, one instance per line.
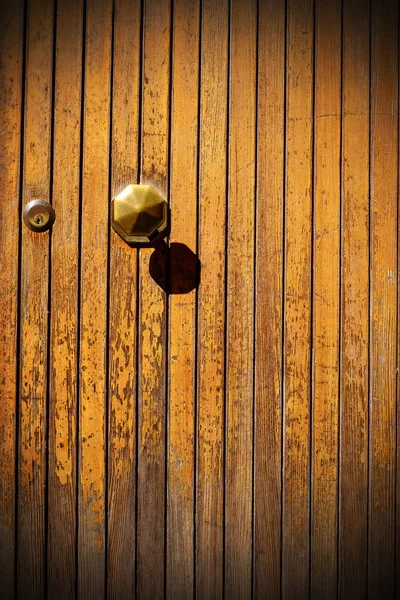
x=211 y=298
x=11 y=62
x=354 y=300
x=296 y=482
x=64 y=306
x=240 y=301
x=268 y=340
x=383 y=302
x=152 y=324
x=397 y=473
x=93 y=319
x=34 y=306
x=182 y=307
x=326 y=299
x=122 y=318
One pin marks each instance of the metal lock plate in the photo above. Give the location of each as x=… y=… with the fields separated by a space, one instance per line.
x=39 y=215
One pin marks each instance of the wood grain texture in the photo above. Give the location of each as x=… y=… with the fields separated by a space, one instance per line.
x=93 y=301
x=326 y=299
x=153 y=310
x=240 y=301
x=64 y=303
x=297 y=335
x=383 y=301
x=123 y=289
x=32 y=469
x=235 y=437
x=182 y=306
x=211 y=299
x=11 y=62
x=354 y=301
x=268 y=311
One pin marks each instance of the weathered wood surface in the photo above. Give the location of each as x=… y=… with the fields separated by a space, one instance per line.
x=123 y=296
x=92 y=507
x=152 y=342
x=211 y=299
x=384 y=177
x=34 y=307
x=268 y=301
x=354 y=363
x=182 y=306
x=11 y=72
x=297 y=300
x=64 y=316
x=217 y=416
x=239 y=384
x=326 y=300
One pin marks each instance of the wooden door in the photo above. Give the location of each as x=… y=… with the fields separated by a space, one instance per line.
x=218 y=417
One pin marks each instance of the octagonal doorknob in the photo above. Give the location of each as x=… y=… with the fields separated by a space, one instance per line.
x=140 y=215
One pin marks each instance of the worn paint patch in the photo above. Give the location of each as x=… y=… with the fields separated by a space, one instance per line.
x=122 y=362
x=64 y=382
x=153 y=309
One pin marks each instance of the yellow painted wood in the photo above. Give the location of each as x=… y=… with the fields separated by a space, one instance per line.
x=182 y=307
x=268 y=310
x=122 y=316
x=11 y=51
x=63 y=416
x=240 y=298
x=326 y=299
x=211 y=299
x=153 y=311
x=297 y=333
x=238 y=439
x=32 y=467
x=384 y=173
x=93 y=302
x=353 y=497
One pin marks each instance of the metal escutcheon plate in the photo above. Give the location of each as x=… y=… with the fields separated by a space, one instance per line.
x=39 y=215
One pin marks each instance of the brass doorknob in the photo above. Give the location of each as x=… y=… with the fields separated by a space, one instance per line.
x=140 y=215
x=39 y=215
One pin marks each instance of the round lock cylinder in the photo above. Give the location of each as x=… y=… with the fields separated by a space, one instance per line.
x=39 y=215
x=140 y=215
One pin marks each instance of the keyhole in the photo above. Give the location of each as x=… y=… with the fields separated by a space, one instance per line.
x=38 y=215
